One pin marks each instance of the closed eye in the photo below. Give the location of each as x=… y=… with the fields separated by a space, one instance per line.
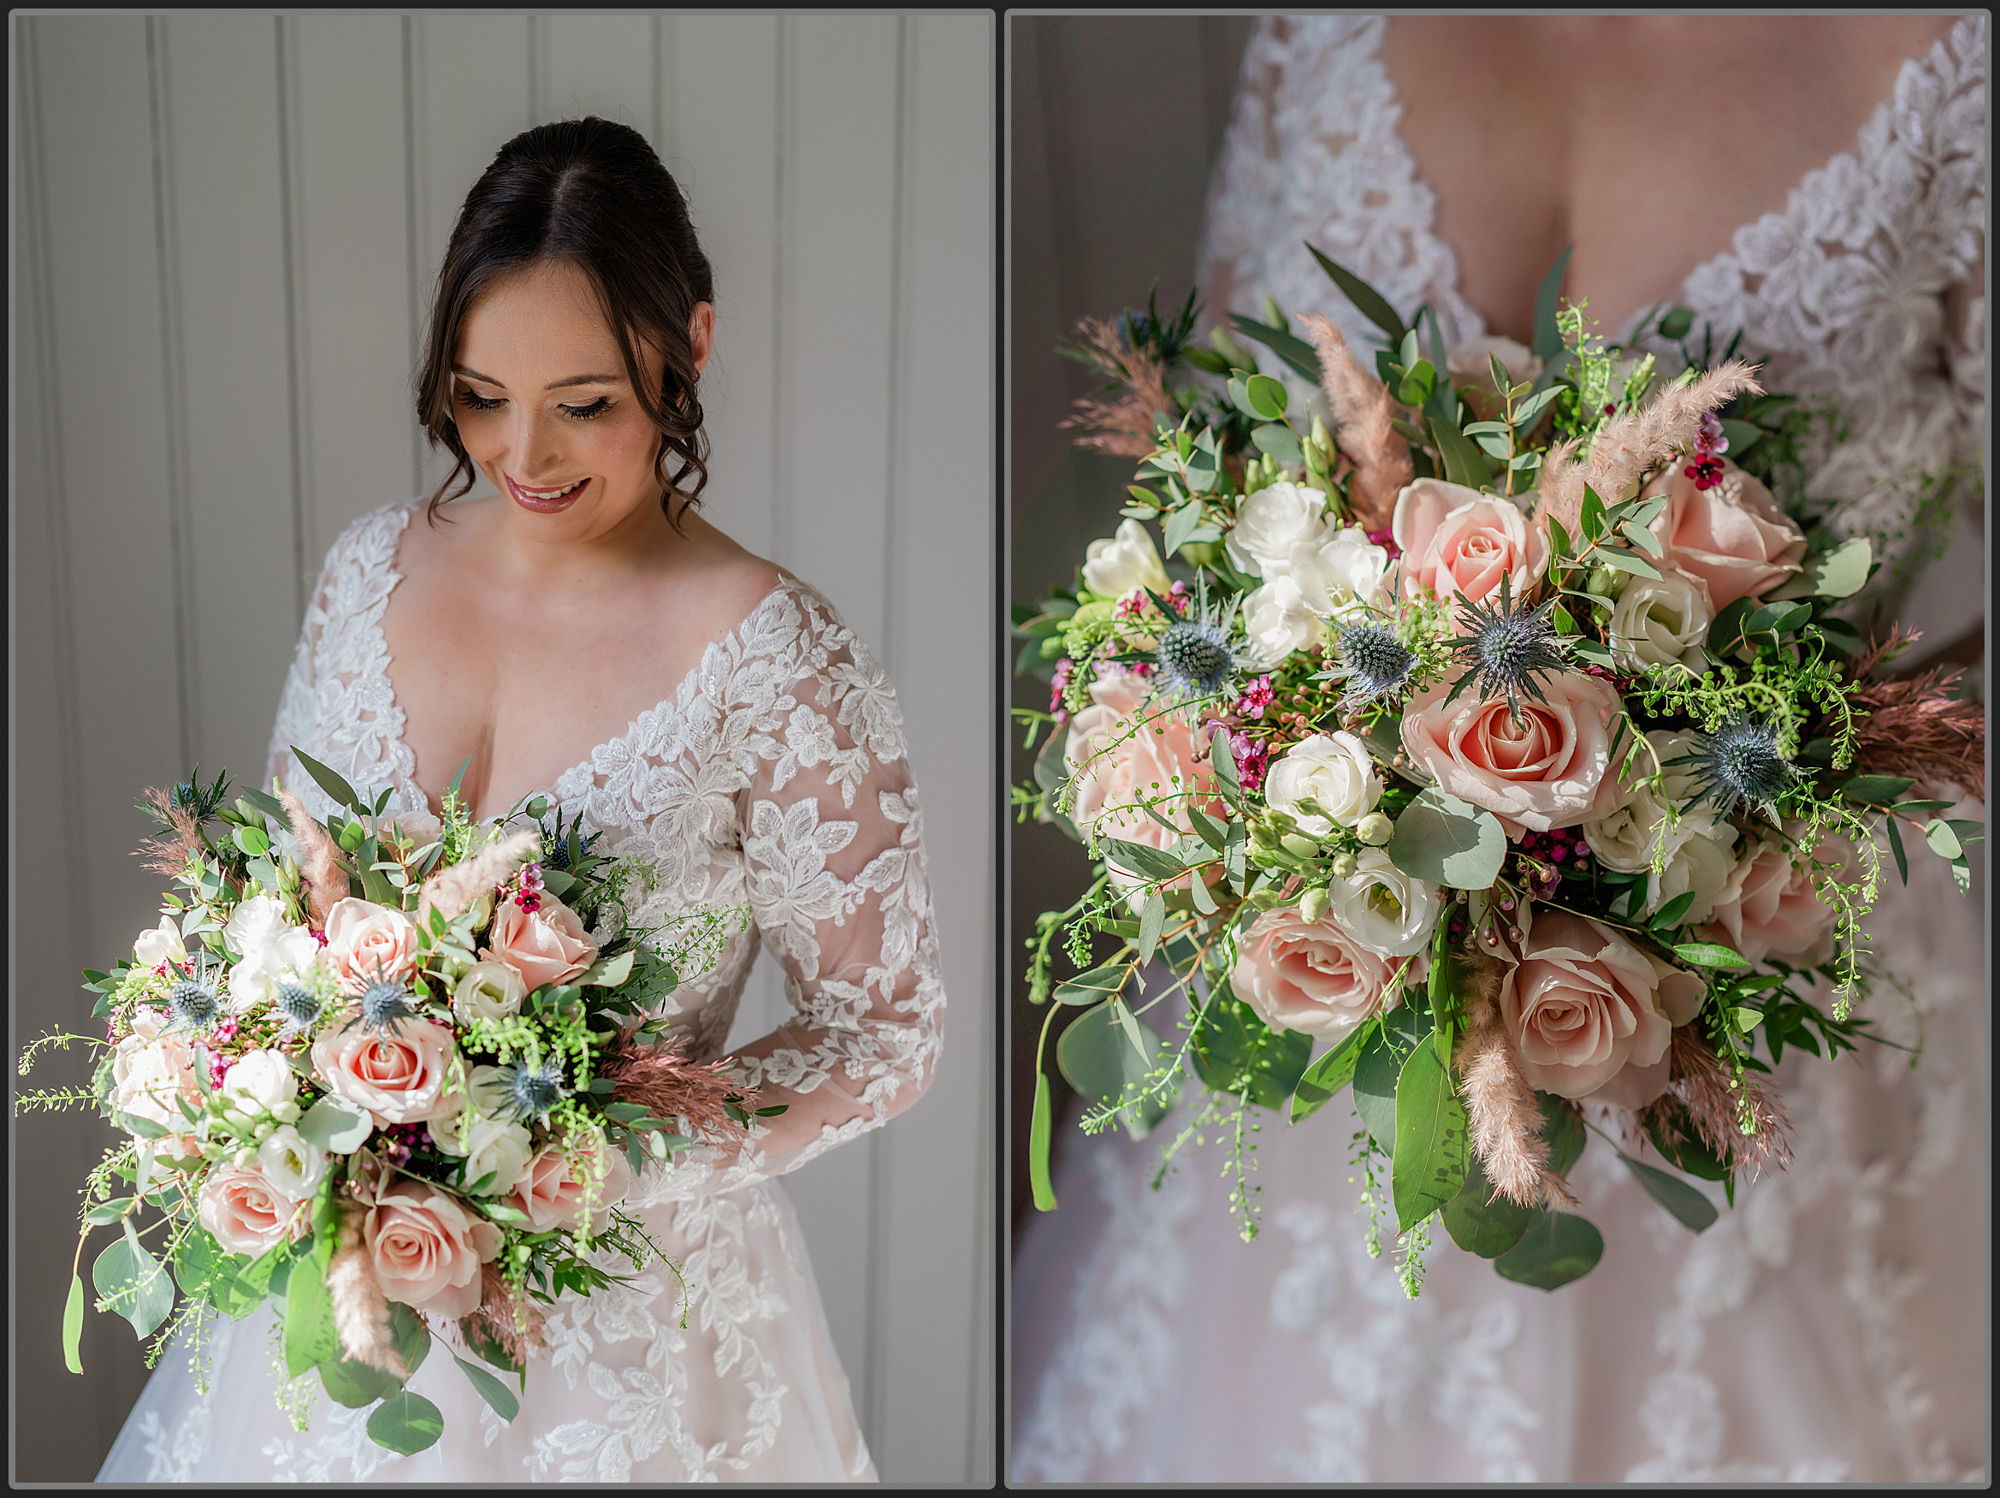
x=473 y=401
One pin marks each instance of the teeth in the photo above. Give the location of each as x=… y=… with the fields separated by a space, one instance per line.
x=550 y=493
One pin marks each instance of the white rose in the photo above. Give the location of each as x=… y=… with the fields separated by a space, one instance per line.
x=489 y=1146
x=1468 y=363
x=1278 y=622
x=1338 y=573
x=1702 y=861
x=161 y=944
x=489 y=991
x=1382 y=908
x=1332 y=769
x=291 y=1163
x=1659 y=621
x=147 y=1076
x=1113 y=568
x=260 y=1081
x=1699 y=847
x=1271 y=522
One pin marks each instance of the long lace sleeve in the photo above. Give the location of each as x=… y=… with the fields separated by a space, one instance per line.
x=836 y=884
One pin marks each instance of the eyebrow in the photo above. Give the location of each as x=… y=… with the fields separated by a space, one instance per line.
x=583 y=379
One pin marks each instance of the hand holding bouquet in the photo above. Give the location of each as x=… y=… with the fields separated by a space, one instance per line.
x=1492 y=746
x=392 y=1075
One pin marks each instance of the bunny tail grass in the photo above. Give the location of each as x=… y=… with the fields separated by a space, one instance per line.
x=454 y=890
x=1361 y=410
x=360 y=1310
x=1500 y=1106
x=320 y=868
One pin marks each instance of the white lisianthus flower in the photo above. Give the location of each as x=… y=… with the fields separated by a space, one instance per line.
x=1277 y=621
x=1702 y=862
x=1335 y=771
x=1659 y=621
x=260 y=1080
x=1700 y=847
x=489 y=1146
x=292 y=1163
x=1114 y=568
x=1337 y=573
x=489 y=991
x=161 y=944
x=271 y=951
x=1270 y=522
x=1382 y=908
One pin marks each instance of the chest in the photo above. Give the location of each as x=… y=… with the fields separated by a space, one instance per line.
x=1644 y=142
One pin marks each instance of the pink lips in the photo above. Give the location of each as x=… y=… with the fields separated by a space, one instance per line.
x=541 y=506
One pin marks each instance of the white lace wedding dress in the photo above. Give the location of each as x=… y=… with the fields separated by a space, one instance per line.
x=774 y=777
x=1834 y=1324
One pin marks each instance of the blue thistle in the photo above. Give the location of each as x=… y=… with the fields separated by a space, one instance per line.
x=530 y=1089
x=384 y=1006
x=1194 y=658
x=194 y=1003
x=1378 y=666
x=1505 y=649
x=1741 y=765
x=300 y=1006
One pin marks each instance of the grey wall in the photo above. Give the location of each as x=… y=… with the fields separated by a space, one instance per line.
x=1114 y=123
x=223 y=228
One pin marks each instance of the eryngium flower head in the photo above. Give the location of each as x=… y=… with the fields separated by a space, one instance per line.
x=1506 y=648
x=530 y=1089
x=1377 y=665
x=384 y=1006
x=194 y=1003
x=1194 y=658
x=1741 y=765
x=300 y=1006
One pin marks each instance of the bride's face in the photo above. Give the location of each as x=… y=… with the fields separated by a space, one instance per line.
x=544 y=407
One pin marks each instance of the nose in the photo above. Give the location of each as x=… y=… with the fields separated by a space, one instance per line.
x=534 y=446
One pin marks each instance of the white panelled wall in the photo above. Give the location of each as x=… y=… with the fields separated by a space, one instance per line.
x=225 y=229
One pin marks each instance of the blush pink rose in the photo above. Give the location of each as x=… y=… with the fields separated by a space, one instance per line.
x=1549 y=770
x=544 y=945
x=150 y=1071
x=1769 y=908
x=1310 y=976
x=426 y=1247
x=1732 y=537
x=246 y=1213
x=369 y=943
x=1457 y=540
x=1117 y=768
x=1590 y=1015
x=551 y=1192
x=397 y=1074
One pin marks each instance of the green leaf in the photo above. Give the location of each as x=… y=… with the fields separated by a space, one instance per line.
x=1278 y=441
x=1560 y=617
x=336 y=1125
x=251 y=840
x=1560 y=544
x=310 y=1338
x=1369 y=302
x=1480 y=1222
x=406 y=1423
x=1138 y=858
x=1376 y=1068
x=1265 y=396
x=1896 y=847
x=1562 y=1127
x=1295 y=351
x=1096 y=1054
x=1152 y=918
x=1642 y=538
x=145 y=1128
x=1235 y=1051
x=1676 y=324
x=1709 y=954
x=1038 y=1147
x=1224 y=760
x=331 y=782
x=1668 y=916
x=482 y=1340
x=1095 y=986
x=1592 y=514
x=608 y=973
x=133 y=1283
x=1548 y=336
x=1554 y=1251
x=1876 y=790
x=1745 y=1020
x=1442 y=840
x=1323 y=1080
x=1182 y=524
x=1624 y=561
x=72 y=1326
x=1944 y=842
x=1463 y=461
x=1428 y=1165
x=1690 y=1208
x=1690 y=1156
x=497 y=1395
x=106 y=1212
x=1777 y=619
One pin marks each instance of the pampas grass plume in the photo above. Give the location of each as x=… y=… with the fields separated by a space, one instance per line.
x=360 y=1309
x=454 y=890
x=1500 y=1106
x=320 y=868
x=1361 y=409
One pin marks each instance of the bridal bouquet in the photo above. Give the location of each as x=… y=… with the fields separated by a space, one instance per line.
x=391 y=1075
x=1500 y=757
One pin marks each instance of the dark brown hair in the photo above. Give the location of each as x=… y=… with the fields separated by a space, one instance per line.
x=593 y=194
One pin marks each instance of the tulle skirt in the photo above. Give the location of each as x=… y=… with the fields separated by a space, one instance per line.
x=1833 y=1325
x=748 y=1390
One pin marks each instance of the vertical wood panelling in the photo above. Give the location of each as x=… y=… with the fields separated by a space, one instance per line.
x=225 y=243
x=941 y=590
x=228 y=251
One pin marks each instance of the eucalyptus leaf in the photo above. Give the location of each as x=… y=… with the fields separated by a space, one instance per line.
x=1548 y=333
x=310 y=1338
x=1096 y=985
x=133 y=1283
x=1235 y=1051
x=1295 y=351
x=1095 y=1053
x=331 y=782
x=610 y=972
x=1369 y=302
x=1876 y=790
x=1038 y=1147
x=1323 y=1080
x=1479 y=1221
x=1182 y=524
x=1690 y=1208
x=1441 y=839
x=336 y=1125
x=1943 y=840
x=72 y=1326
x=1138 y=858
x=1709 y=954
x=1556 y=1249
x=1152 y=920
x=406 y=1423
x=1266 y=396
x=1625 y=561
x=1278 y=441
x=497 y=1395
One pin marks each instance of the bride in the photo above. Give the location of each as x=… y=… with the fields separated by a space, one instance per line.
x=1832 y=1325
x=584 y=633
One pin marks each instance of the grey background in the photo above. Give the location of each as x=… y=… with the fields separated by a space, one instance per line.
x=1115 y=122
x=223 y=228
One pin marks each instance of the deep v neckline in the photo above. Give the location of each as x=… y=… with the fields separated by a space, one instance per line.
x=1629 y=331
x=380 y=654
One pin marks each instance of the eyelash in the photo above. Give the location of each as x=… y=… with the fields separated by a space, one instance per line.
x=473 y=401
